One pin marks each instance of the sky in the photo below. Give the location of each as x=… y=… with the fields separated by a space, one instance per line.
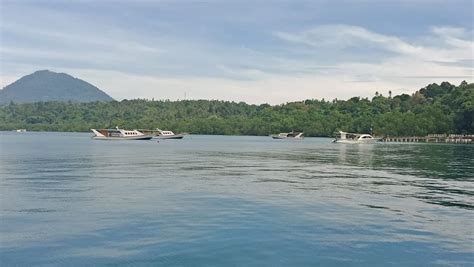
x=253 y=51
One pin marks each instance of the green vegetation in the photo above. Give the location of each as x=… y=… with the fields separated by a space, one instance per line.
x=436 y=108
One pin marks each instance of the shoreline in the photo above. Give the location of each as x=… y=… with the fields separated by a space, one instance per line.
x=431 y=138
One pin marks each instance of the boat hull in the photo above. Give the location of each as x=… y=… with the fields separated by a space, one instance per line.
x=356 y=141
x=176 y=136
x=142 y=137
x=291 y=135
x=285 y=137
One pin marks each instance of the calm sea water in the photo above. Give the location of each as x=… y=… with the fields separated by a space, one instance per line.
x=240 y=201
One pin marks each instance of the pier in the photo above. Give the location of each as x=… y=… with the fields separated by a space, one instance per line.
x=433 y=138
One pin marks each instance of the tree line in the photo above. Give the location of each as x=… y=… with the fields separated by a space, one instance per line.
x=443 y=108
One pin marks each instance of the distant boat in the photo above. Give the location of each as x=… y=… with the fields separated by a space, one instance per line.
x=20 y=130
x=120 y=134
x=290 y=135
x=164 y=134
x=354 y=138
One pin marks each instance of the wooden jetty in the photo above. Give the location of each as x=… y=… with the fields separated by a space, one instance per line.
x=433 y=138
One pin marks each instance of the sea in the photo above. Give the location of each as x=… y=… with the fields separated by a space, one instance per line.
x=69 y=200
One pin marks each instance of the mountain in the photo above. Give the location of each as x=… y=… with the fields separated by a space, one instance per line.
x=45 y=85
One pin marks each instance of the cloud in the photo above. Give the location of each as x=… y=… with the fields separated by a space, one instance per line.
x=268 y=88
x=447 y=31
x=273 y=89
x=344 y=36
x=444 y=55
x=161 y=51
x=339 y=37
x=255 y=77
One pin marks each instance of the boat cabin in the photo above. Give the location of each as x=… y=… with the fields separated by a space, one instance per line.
x=118 y=132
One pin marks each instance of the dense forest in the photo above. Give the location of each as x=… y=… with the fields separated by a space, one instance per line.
x=443 y=108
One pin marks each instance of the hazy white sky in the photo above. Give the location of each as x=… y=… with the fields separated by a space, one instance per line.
x=253 y=51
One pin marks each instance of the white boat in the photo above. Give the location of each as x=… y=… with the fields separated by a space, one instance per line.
x=120 y=134
x=290 y=135
x=354 y=138
x=20 y=130
x=164 y=134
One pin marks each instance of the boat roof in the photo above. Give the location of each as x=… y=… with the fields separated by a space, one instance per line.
x=291 y=133
x=350 y=133
x=114 y=129
x=359 y=134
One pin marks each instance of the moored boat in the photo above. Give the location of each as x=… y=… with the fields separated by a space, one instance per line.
x=119 y=134
x=354 y=138
x=162 y=134
x=290 y=135
x=165 y=134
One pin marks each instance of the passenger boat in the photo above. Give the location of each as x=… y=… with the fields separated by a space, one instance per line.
x=290 y=135
x=164 y=134
x=354 y=138
x=120 y=134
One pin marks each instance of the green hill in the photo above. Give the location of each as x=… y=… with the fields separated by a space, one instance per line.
x=443 y=108
x=45 y=85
